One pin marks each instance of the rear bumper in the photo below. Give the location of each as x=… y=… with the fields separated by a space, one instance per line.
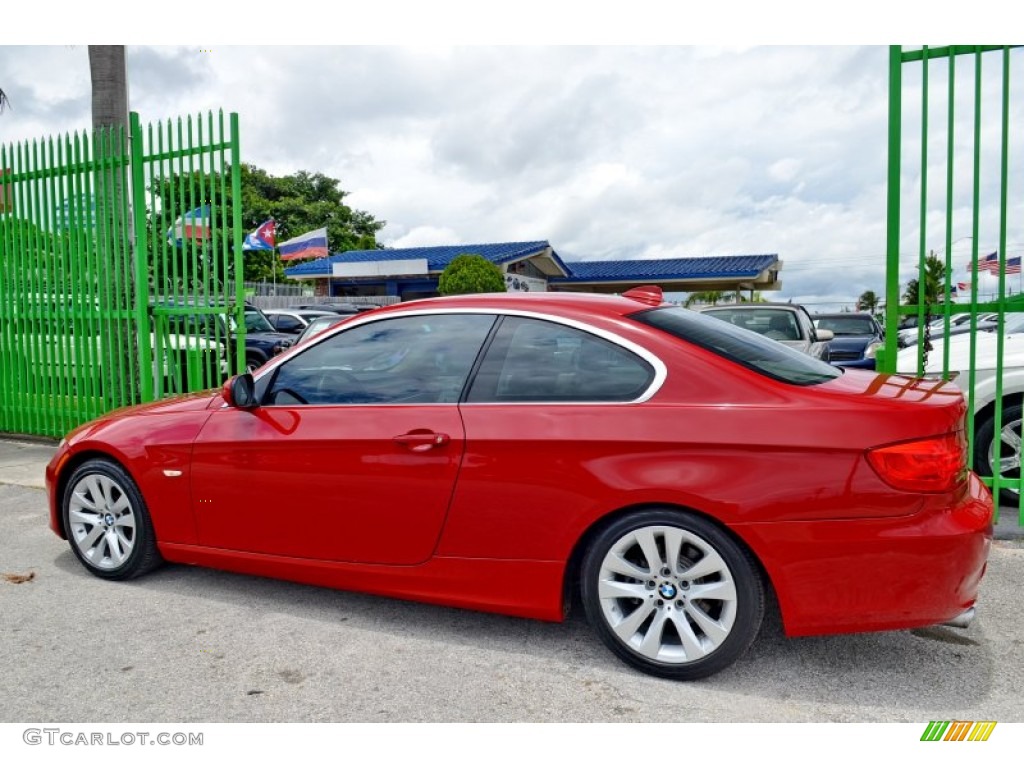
x=862 y=575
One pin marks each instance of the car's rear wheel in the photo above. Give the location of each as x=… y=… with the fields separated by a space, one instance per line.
x=107 y=522
x=1008 y=446
x=671 y=594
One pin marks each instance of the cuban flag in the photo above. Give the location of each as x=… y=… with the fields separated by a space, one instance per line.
x=263 y=239
x=193 y=226
x=311 y=245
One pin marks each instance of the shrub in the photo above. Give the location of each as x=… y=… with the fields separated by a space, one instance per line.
x=471 y=273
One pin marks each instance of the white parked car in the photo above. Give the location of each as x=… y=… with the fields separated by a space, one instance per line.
x=985 y=379
x=958 y=323
x=61 y=343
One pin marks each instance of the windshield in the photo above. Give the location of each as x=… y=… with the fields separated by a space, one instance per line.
x=741 y=346
x=1013 y=322
x=255 y=322
x=213 y=325
x=318 y=324
x=846 y=326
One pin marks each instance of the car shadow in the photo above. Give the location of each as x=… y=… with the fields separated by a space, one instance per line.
x=936 y=668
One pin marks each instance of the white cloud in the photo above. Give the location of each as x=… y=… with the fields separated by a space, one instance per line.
x=607 y=152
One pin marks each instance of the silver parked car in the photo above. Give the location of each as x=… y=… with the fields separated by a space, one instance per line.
x=789 y=324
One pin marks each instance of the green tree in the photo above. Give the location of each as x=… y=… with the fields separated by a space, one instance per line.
x=934 y=274
x=709 y=297
x=297 y=202
x=470 y=273
x=868 y=302
x=714 y=297
x=301 y=202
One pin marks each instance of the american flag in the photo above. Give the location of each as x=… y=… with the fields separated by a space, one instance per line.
x=990 y=264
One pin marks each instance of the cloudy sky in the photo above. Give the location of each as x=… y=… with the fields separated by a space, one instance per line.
x=605 y=151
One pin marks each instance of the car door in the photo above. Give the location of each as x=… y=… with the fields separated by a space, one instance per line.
x=355 y=448
x=284 y=323
x=547 y=427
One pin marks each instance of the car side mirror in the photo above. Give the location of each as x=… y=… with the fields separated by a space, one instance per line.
x=824 y=334
x=240 y=391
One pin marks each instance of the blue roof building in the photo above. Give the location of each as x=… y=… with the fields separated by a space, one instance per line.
x=412 y=273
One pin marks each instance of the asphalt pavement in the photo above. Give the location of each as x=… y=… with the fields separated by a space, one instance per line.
x=186 y=644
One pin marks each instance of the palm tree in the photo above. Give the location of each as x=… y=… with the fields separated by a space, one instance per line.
x=868 y=302
x=708 y=297
x=934 y=274
x=4 y=101
x=109 y=76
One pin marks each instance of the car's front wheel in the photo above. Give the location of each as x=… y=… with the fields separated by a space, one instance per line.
x=107 y=522
x=671 y=594
x=253 y=361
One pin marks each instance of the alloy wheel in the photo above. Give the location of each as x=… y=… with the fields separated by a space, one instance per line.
x=102 y=521
x=667 y=594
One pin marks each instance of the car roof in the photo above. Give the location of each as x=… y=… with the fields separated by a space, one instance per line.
x=590 y=303
x=843 y=314
x=756 y=305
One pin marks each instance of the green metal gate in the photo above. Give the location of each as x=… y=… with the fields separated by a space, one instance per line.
x=956 y=222
x=116 y=253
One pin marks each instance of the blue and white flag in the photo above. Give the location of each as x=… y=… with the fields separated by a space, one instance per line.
x=263 y=239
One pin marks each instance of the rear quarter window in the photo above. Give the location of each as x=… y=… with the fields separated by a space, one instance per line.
x=747 y=348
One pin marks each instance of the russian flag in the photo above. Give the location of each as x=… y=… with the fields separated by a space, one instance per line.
x=194 y=226
x=308 y=246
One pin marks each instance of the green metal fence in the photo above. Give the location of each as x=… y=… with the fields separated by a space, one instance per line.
x=955 y=221
x=101 y=303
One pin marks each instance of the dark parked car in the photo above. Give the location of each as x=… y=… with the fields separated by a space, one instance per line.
x=513 y=452
x=262 y=341
x=341 y=309
x=294 y=321
x=856 y=338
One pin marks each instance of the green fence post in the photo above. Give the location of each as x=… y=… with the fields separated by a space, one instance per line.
x=892 y=250
x=140 y=244
x=236 y=241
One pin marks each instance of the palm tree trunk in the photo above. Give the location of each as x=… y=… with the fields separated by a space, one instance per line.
x=109 y=75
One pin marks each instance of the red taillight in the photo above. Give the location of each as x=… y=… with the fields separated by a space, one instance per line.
x=935 y=464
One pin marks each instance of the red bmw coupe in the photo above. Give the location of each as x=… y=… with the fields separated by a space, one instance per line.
x=510 y=453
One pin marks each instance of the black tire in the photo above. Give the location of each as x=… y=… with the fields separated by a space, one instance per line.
x=650 y=617
x=253 y=361
x=984 y=448
x=107 y=522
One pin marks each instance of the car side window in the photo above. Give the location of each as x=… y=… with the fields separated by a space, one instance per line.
x=287 y=323
x=539 y=361
x=418 y=359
